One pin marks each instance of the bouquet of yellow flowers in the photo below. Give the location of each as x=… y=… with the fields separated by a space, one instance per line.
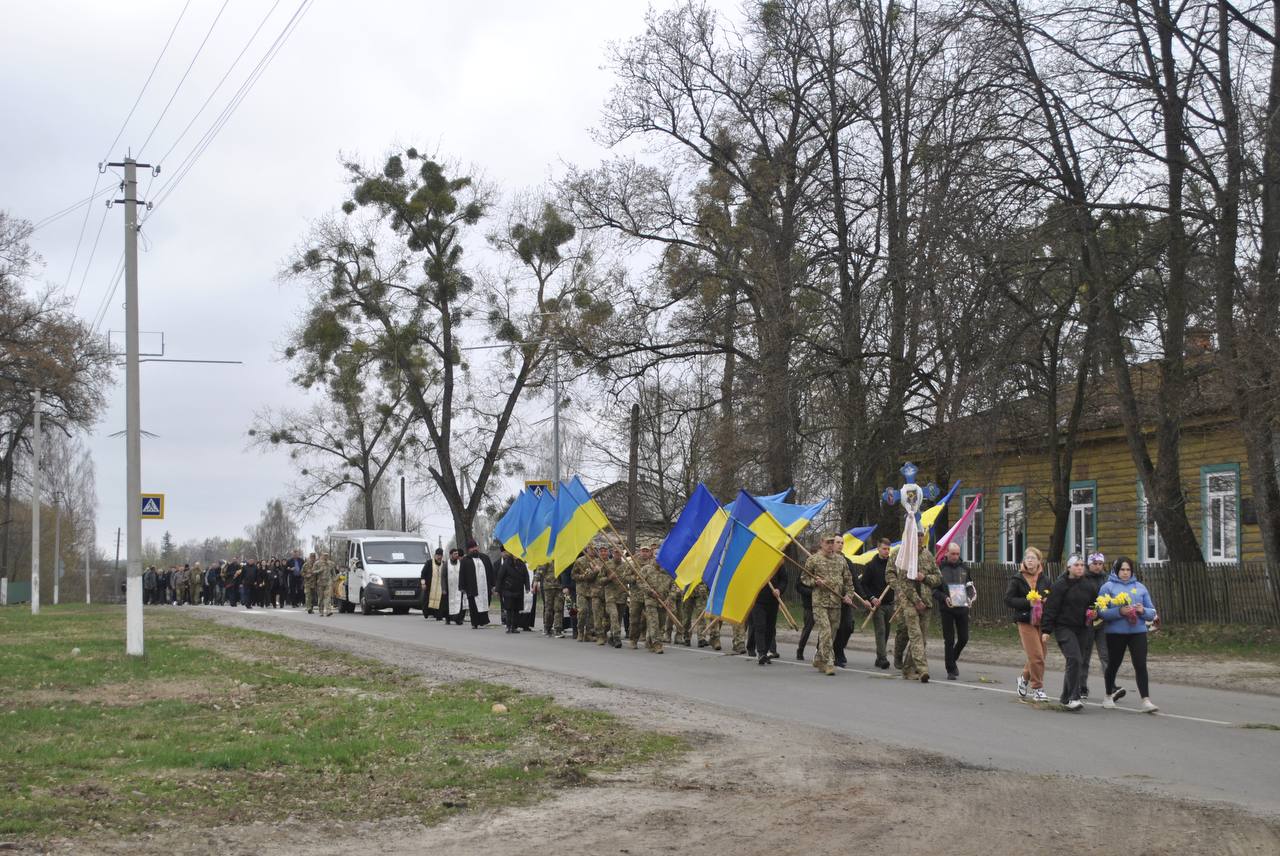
x=1125 y=602
x=1095 y=612
x=1037 y=606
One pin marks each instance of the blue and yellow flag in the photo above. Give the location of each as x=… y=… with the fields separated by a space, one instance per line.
x=685 y=552
x=748 y=553
x=854 y=540
x=576 y=520
x=930 y=515
x=507 y=529
x=536 y=536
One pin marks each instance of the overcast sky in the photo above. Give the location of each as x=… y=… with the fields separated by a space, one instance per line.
x=513 y=87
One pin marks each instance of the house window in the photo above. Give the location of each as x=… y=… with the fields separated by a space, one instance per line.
x=1082 y=535
x=1220 y=487
x=971 y=547
x=1151 y=547
x=1013 y=525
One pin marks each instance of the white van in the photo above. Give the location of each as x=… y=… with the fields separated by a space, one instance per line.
x=383 y=568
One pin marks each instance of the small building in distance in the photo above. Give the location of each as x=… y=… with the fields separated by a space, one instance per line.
x=651 y=522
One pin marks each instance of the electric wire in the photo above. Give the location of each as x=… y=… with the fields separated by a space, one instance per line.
x=75 y=206
x=89 y=263
x=183 y=79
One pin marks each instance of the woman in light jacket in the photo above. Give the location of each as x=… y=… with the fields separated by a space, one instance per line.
x=1127 y=631
x=1030 y=576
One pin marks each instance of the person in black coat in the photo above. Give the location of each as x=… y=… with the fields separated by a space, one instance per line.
x=475 y=579
x=870 y=584
x=512 y=582
x=248 y=583
x=1066 y=619
x=953 y=606
x=764 y=617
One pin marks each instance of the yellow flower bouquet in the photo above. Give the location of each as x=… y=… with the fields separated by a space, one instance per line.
x=1037 y=606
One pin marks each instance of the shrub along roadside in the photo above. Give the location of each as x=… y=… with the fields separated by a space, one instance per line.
x=220 y=725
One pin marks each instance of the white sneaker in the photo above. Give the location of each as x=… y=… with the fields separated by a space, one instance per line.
x=1039 y=695
x=1107 y=703
x=1075 y=704
x=1148 y=706
x=1022 y=686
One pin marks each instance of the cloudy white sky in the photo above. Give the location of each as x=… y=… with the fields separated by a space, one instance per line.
x=513 y=87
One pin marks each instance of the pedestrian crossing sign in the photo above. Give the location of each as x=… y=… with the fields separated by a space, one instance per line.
x=153 y=506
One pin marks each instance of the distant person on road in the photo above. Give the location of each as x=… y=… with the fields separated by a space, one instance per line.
x=295 y=579
x=870 y=585
x=828 y=576
x=512 y=582
x=455 y=601
x=1025 y=595
x=475 y=577
x=433 y=586
x=311 y=582
x=1068 y=621
x=954 y=596
x=249 y=584
x=326 y=571
x=149 y=584
x=1127 y=631
x=1096 y=572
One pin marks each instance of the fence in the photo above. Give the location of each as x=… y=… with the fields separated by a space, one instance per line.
x=1248 y=593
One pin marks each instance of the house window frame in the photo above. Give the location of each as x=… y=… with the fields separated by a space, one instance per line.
x=973 y=549
x=1085 y=547
x=1144 y=520
x=1206 y=515
x=1006 y=492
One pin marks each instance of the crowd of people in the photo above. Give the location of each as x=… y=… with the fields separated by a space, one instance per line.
x=612 y=599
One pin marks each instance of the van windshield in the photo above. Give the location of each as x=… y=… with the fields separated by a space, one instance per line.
x=395 y=552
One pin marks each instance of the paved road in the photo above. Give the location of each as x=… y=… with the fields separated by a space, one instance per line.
x=1196 y=747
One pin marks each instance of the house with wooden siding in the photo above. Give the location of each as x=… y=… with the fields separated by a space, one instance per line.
x=1007 y=461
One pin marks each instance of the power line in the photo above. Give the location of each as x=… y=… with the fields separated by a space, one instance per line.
x=202 y=145
x=53 y=218
x=89 y=264
x=101 y=314
x=183 y=79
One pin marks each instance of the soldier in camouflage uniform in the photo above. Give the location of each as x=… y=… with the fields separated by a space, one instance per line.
x=585 y=571
x=830 y=568
x=708 y=627
x=552 y=602
x=325 y=570
x=914 y=599
x=311 y=582
x=636 y=592
x=195 y=582
x=650 y=588
x=604 y=606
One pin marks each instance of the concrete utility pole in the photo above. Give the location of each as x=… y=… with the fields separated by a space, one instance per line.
x=87 y=599
x=402 y=514
x=35 y=507
x=555 y=411
x=133 y=439
x=633 y=481
x=57 y=544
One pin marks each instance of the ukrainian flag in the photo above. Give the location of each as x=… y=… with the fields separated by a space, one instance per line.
x=863 y=558
x=508 y=528
x=686 y=551
x=574 y=522
x=748 y=553
x=930 y=515
x=794 y=518
x=537 y=533
x=854 y=539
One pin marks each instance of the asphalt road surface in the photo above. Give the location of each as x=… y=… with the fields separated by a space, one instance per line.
x=1198 y=746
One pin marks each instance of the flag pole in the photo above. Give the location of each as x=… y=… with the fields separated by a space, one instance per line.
x=639 y=576
x=879 y=601
x=823 y=583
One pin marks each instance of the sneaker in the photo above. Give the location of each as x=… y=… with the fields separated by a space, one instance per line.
x=951 y=676
x=1022 y=686
x=1108 y=703
x=1118 y=694
x=1148 y=706
x=1075 y=704
x=1039 y=695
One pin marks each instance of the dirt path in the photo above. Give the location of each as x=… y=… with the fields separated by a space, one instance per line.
x=749 y=786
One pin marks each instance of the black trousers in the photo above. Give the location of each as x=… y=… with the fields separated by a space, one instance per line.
x=955 y=635
x=1136 y=645
x=764 y=621
x=1097 y=641
x=478 y=618
x=1071 y=641
x=843 y=632
x=511 y=604
x=806 y=599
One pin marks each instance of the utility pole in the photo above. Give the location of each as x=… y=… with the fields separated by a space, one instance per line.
x=87 y=599
x=35 y=507
x=555 y=412
x=633 y=466
x=133 y=439
x=403 y=525
x=57 y=544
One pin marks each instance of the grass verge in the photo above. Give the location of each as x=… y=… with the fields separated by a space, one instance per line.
x=1228 y=641
x=219 y=725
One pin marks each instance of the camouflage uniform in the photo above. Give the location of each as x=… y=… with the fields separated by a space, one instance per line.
x=552 y=602
x=834 y=571
x=913 y=626
x=311 y=583
x=195 y=583
x=615 y=596
x=178 y=582
x=585 y=571
x=636 y=593
x=658 y=583
x=325 y=569
x=605 y=606
x=708 y=627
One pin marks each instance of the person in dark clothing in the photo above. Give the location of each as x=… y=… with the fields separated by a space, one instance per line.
x=512 y=582
x=870 y=585
x=475 y=578
x=840 y=638
x=295 y=579
x=1096 y=572
x=764 y=618
x=806 y=600
x=249 y=584
x=954 y=597
x=1068 y=619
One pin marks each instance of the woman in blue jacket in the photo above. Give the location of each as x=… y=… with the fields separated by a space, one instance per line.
x=1127 y=631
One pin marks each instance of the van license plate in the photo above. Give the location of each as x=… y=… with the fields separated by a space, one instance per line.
x=405 y=592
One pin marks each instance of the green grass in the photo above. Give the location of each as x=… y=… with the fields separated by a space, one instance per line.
x=1229 y=641
x=219 y=725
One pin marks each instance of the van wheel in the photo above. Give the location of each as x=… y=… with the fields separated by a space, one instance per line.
x=365 y=608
